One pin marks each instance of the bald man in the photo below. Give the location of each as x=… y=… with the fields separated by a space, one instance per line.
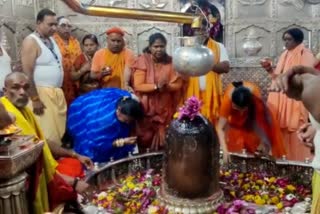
x=112 y=65
x=15 y=100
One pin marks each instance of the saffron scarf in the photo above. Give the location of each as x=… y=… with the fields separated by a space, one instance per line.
x=117 y=62
x=213 y=92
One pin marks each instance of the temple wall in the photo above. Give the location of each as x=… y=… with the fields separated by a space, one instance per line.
x=252 y=28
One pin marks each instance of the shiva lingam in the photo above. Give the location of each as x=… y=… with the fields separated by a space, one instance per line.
x=190 y=180
x=192 y=59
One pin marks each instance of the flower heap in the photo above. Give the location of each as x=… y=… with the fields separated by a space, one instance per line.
x=135 y=194
x=237 y=206
x=262 y=189
x=190 y=109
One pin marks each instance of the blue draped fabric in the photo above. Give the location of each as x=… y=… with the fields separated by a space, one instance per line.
x=93 y=125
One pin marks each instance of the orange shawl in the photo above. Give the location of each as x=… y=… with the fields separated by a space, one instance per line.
x=159 y=106
x=69 y=54
x=213 y=92
x=290 y=113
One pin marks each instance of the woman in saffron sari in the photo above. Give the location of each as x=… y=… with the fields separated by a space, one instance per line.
x=100 y=122
x=290 y=113
x=246 y=123
x=158 y=86
x=82 y=65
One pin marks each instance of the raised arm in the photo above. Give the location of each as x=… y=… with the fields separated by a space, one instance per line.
x=301 y=83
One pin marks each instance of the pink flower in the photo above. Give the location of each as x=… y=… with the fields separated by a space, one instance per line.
x=190 y=109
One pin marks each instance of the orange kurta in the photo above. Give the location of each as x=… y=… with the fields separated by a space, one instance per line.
x=241 y=136
x=159 y=106
x=105 y=58
x=69 y=54
x=291 y=113
x=212 y=95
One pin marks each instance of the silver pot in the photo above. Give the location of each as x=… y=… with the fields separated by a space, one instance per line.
x=193 y=59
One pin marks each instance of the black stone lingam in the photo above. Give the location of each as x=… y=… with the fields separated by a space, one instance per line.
x=191 y=162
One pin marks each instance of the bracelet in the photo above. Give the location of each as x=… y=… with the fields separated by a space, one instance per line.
x=74 y=154
x=34 y=98
x=75 y=182
x=119 y=142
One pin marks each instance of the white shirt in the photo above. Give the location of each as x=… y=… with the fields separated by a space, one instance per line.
x=223 y=57
x=48 y=71
x=316 y=159
x=5 y=65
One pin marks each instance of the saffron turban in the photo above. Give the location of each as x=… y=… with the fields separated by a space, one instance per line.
x=115 y=30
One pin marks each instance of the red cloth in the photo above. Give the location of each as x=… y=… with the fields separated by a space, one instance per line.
x=115 y=30
x=71 y=167
x=60 y=192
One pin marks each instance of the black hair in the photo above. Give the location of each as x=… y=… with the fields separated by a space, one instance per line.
x=92 y=37
x=153 y=38
x=60 y=17
x=43 y=13
x=131 y=108
x=242 y=97
x=296 y=34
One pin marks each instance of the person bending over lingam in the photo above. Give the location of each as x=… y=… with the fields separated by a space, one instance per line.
x=246 y=122
x=100 y=122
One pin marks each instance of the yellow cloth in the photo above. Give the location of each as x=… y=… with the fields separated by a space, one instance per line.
x=53 y=121
x=212 y=95
x=26 y=121
x=315 y=193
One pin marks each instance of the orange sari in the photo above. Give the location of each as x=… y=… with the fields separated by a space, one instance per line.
x=291 y=113
x=240 y=136
x=69 y=54
x=159 y=106
x=212 y=95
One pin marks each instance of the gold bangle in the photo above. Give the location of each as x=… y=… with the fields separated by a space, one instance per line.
x=116 y=143
x=74 y=154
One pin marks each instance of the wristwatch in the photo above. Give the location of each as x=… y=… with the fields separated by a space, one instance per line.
x=156 y=87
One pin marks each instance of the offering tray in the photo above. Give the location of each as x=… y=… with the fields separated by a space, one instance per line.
x=26 y=151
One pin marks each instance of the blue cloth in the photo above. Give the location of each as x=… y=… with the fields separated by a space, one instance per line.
x=93 y=125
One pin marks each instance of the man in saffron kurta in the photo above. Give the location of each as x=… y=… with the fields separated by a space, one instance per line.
x=245 y=122
x=290 y=113
x=48 y=187
x=208 y=88
x=70 y=49
x=111 y=65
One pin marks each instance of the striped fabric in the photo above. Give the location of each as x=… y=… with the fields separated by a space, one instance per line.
x=93 y=125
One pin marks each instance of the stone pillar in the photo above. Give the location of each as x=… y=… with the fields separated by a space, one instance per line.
x=13 y=195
